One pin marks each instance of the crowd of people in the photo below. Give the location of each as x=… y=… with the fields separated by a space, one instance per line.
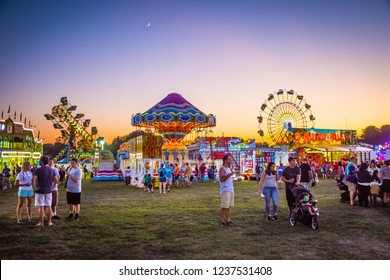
x=369 y=179
x=361 y=180
x=171 y=174
x=42 y=183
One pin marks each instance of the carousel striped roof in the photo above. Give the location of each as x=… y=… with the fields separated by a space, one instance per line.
x=174 y=103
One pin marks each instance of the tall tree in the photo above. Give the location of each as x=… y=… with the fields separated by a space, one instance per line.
x=384 y=134
x=117 y=141
x=375 y=136
x=53 y=149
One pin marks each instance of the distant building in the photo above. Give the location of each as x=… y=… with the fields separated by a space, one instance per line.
x=18 y=144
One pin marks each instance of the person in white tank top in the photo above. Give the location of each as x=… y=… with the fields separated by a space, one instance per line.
x=226 y=190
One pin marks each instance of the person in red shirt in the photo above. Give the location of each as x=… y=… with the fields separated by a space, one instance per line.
x=202 y=170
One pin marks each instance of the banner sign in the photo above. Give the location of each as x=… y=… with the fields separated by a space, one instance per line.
x=302 y=136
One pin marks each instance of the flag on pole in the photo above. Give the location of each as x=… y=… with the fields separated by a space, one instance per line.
x=20 y=118
x=9 y=109
x=2 y=114
x=15 y=116
x=25 y=120
x=39 y=134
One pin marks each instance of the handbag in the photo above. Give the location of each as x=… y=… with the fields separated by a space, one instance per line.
x=375 y=188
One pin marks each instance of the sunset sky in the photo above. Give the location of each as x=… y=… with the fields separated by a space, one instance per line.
x=225 y=57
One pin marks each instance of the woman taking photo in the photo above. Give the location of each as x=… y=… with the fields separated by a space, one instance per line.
x=268 y=187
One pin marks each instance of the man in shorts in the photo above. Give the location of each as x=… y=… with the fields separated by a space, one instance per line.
x=226 y=190
x=187 y=173
x=351 y=169
x=43 y=179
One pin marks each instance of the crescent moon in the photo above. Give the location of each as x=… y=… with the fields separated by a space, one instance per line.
x=148 y=24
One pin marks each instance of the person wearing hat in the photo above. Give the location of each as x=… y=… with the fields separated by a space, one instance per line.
x=291 y=176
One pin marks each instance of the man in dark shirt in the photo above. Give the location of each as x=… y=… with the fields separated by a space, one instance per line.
x=257 y=172
x=43 y=180
x=291 y=176
x=306 y=174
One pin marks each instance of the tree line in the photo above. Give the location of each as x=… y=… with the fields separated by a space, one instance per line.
x=375 y=135
x=54 y=149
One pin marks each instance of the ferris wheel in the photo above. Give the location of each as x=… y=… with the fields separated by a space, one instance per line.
x=280 y=114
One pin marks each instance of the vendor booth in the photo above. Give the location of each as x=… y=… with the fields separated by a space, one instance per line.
x=18 y=144
x=329 y=145
x=142 y=153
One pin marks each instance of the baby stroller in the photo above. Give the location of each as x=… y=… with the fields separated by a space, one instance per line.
x=305 y=210
x=344 y=197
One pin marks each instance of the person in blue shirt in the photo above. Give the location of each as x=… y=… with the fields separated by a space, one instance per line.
x=280 y=170
x=351 y=169
x=169 y=170
x=162 y=177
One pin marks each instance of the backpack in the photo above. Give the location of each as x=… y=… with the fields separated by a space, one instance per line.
x=161 y=173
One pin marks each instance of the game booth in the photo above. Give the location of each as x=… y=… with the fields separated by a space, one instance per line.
x=245 y=154
x=329 y=145
x=142 y=153
x=250 y=157
x=18 y=144
x=106 y=167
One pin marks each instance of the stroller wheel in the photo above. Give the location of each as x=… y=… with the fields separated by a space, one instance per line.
x=314 y=223
x=293 y=218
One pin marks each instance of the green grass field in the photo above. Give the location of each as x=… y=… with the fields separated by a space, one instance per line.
x=119 y=222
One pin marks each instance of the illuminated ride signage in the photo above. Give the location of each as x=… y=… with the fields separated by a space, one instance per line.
x=225 y=144
x=303 y=136
x=15 y=154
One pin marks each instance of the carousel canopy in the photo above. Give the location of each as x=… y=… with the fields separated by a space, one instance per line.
x=174 y=103
x=173 y=115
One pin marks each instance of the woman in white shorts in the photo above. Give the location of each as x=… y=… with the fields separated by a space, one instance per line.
x=24 y=182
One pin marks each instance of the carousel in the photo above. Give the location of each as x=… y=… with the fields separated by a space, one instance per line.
x=173 y=118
